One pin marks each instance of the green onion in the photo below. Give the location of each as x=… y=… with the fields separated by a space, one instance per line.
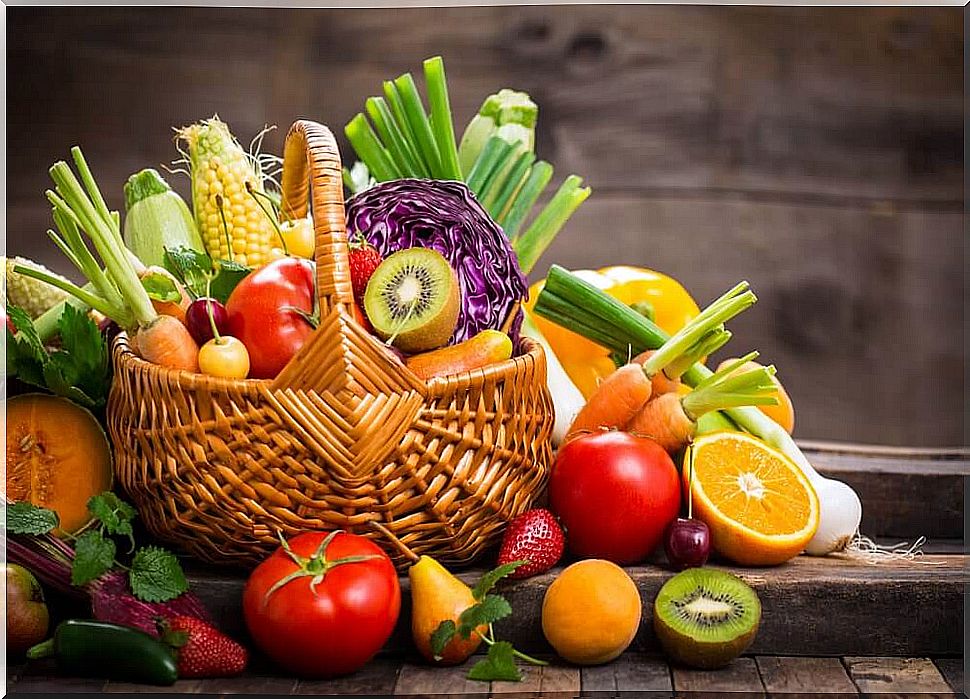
x=444 y=130
x=530 y=192
x=403 y=156
x=724 y=389
x=488 y=163
x=540 y=234
x=418 y=121
x=499 y=198
x=369 y=148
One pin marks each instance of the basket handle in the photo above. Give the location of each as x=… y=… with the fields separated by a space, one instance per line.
x=312 y=170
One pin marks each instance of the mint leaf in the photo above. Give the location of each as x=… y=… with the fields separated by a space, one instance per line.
x=114 y=513
x=27 y=518
x=488 y=611
x=161 y=287
x=191 y=267
x=489 y=579
x=229 y=275
x=93 y=557
x=156 y=575
x=441 y=636
x=498 y=665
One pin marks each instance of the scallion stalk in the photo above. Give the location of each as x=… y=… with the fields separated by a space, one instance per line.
x=540 y=234
x=402 y=155
x=499 y=199
x=488 y=162
x=528 y=195
x=369 y=148
x=417 y=118
x=442 y=126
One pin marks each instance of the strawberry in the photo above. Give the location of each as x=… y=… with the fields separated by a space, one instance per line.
x=203 y=650
x=534 y=536
x=364 y=259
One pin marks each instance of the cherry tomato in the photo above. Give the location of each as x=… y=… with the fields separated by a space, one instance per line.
x=299 y=237
x=266 y=312
x=226 y=357
x=323 y=605
x=615 y=494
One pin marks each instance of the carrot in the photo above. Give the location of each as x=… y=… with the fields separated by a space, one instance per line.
x=487 y=347
x=615 y=401
x=671 y=420
x=664 y=421
x=166 y=342
x=624 y=392
x=161 y=276
x=660 y=381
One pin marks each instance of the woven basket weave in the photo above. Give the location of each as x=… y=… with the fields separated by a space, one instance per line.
x=343 y=437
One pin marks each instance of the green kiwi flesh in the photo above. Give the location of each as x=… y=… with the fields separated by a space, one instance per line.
x=705 y=617
x=413 y=299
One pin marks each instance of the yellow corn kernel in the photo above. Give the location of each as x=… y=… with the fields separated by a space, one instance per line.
x=221 y=167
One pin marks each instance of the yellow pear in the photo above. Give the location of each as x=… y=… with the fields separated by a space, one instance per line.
x=436 y=596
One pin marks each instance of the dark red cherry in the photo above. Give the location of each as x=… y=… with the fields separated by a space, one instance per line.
x=687 y=543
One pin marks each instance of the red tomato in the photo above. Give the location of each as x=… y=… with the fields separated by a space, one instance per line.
x=334 y=617
x=261 y=313
x=614 y=493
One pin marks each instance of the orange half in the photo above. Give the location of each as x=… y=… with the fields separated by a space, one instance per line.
x=759 y=505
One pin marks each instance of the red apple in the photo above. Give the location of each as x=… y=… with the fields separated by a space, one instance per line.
x=27 y=616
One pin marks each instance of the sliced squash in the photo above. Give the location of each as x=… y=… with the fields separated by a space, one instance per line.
x=58 y=457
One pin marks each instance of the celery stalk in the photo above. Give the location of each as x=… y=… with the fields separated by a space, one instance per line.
x=498 y=200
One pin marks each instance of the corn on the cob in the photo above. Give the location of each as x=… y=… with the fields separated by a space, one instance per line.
x=240 y=229
x=32 y=295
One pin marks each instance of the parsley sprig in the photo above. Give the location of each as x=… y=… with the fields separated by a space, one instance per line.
x=499 y=662
x=154 y=573
x=79 y=370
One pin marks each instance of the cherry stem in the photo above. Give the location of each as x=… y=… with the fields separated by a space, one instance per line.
x=208 y=311
x=690 y=483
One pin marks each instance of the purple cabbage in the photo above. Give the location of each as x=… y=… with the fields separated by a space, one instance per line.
x=445 y=216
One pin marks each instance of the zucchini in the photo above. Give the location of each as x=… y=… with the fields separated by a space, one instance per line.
x=157 y=218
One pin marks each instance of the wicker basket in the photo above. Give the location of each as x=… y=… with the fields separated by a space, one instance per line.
x=343 y=437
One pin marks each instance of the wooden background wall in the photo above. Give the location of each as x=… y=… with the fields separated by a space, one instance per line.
x=817 y=153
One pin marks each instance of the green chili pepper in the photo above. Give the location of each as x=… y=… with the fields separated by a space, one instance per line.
x=97 y=649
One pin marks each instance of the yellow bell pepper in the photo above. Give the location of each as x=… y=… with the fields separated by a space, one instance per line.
x=587 y=363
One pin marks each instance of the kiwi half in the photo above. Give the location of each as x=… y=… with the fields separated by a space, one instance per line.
x=413 y=298
x=705 y=618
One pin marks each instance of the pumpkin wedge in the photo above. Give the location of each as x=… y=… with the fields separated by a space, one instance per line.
x=58 y=457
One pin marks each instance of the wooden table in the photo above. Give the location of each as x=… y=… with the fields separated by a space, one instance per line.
x=633 y=672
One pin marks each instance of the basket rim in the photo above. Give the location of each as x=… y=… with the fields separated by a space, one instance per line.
x=122 y=349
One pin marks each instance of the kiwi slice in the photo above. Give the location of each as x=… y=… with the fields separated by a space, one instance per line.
x=413 y=299
x=705 y=618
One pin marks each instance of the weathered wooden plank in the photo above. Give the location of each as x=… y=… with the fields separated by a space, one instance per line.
x=906 y=607
x=638 y=672
x=904 y=493
x=57 y=684
x=425 y=680
x=749 y=99
x=740 y=676
x=559 y=679
x=792 y=675
x=952 y=671
x=180 y=687
x=896 y=676
x=835 y=287
x=376 y=678
x=249 y=684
